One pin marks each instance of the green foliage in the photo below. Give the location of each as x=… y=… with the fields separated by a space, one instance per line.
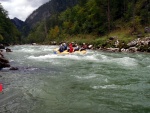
x=38 y=34
x=9 y=33
x=1 y=38
x=54 y=33
x=97 y=18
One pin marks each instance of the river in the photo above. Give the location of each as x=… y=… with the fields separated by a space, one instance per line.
x=97 y=82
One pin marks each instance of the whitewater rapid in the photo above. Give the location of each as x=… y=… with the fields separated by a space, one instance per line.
x=97 y=82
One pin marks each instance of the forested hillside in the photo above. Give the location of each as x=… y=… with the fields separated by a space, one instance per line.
x=80 y=20
x=49 y=9
x=94 y=17
x=8 y=32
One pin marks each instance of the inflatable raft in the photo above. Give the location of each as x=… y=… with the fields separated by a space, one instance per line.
x=66 y=52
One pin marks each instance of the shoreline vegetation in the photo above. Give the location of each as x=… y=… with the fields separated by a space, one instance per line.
x=116 y=41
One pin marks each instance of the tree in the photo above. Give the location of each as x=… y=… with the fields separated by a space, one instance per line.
x=54 y=33
x=8 y=31
x=1 y=38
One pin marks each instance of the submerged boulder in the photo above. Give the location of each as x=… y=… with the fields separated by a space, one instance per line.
x=13 y=68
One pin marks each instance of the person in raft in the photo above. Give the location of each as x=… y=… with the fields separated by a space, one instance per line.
x=61 y=48
x=65 y=46
x=84 y=47
x=76 y=47
x=70 y=48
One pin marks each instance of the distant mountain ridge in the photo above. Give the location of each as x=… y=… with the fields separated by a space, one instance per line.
x=21 y=26
x=18 y=22
x=43 y=12
x=48 y=9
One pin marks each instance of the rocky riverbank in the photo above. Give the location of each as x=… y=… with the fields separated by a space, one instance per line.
x=137 y=45
x=3 y=61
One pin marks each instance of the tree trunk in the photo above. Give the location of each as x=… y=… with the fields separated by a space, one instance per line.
x=108 y=14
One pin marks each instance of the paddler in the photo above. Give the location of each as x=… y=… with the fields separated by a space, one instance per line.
x=70 y=47
x=76 y=47
x=61 y=48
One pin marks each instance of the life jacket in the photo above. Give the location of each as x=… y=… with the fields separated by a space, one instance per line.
x=65 y=46
x=61 y=49
x=84 y=46
x=71 y=48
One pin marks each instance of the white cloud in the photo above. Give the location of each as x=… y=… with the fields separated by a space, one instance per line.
x=21 y=8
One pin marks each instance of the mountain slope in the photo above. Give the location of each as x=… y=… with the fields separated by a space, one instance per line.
x=18 y=23
x=21 y=26
x=48 y=9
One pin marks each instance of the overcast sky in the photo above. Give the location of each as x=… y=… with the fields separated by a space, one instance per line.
x=21 y=8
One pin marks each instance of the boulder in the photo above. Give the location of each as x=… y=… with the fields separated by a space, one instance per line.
x=147 y=29
x=33 y=43
x=1 y=55
x=133 y=43
x=112 y=49
x=2 y=46
x=90 y=46
x=2 y=59
x=8 y=50
x=13 y=68
x=133 y=49
x=3 y=65
x=4 y=62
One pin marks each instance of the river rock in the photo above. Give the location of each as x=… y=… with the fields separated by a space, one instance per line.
x=132 y=49
x=2 y=46
x=147 y=30
x=2 y=59
x=143 y=45
x=112 y=49
x=3 y=65
x=1 y=55
x=3 y=62
x=8 y=50
x=90 y=46
x=13 y=68
x=133 y=43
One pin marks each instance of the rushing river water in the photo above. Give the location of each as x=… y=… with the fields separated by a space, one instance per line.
x=97 y=82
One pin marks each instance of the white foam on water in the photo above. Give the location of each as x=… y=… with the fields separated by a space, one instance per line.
x=27 y=50
x=98 y=57
x=41 y=57
x=91 y=58
x=70 y=56
x=148 y=66
x=47 y=48
x=86 y=77
x=32 y=69
x=105 y=87
x=103 y=57
x=126 y=61
x=34 y=49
